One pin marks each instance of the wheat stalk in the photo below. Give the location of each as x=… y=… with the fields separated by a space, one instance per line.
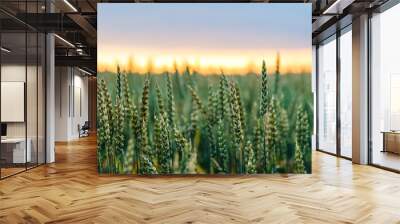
x=161 y=142
x=129 y=157
x=264 y=90
x=237 y=126
x=147 y=166
x=298 y=162
x=303 y=134
x=271 y=134
x=197 y=109
x=221 y=148
x=183 y=147
x=103 y=126
x=144 y=149
x=119 y=88
x=118 y=135
x=223 y=98
x=260 y=152
x=302 y=129
x=250 y=159
x=283 y=129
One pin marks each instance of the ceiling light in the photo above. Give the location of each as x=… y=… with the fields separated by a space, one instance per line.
x=64 y=40
x=5 y=50
x=79 y=51
x=70 y=5
x=84 y=71
x=338 y=6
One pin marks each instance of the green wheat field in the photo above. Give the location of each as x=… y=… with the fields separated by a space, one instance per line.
x=189 y=123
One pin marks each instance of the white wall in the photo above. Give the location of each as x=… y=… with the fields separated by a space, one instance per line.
x=62 y=82
x=70 y=83
x=16 y=73
x=81 y=94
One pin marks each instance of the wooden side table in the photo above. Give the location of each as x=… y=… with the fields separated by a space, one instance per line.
x=391 y=141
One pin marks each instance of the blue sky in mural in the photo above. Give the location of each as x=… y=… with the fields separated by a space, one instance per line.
x=206 y=25
x=256 y=30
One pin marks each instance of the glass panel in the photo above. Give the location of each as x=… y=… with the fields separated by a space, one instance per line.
x=13 y=86
x=385 y=89
x=327 y=96
x=31 y=97
x=346 y=94
x=41 y=98
x=31 y=87
x=23 y=90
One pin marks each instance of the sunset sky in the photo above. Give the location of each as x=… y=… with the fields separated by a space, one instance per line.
x=206 y=37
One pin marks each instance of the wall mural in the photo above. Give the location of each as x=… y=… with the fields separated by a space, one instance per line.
x=204 y=88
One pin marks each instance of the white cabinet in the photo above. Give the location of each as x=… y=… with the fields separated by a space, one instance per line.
x=19 y=155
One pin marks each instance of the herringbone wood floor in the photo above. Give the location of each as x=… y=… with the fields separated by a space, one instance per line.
x=71 y=191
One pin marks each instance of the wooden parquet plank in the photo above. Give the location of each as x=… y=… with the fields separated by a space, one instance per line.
x=71 y=191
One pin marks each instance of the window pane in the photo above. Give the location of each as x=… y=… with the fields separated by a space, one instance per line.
x=41 y=98
x=386 y=89
x=31 y=97
x=346 y=94
x=327 y=96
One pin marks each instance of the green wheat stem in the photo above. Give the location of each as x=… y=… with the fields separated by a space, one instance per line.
x=264 y=90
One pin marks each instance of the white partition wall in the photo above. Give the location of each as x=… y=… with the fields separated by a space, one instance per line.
x=71 y=102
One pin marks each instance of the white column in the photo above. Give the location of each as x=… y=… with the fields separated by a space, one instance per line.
x=50 y=98
x=63 y=99
x=360 y=90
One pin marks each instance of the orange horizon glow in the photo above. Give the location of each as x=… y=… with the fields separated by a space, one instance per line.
x=292 y=61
